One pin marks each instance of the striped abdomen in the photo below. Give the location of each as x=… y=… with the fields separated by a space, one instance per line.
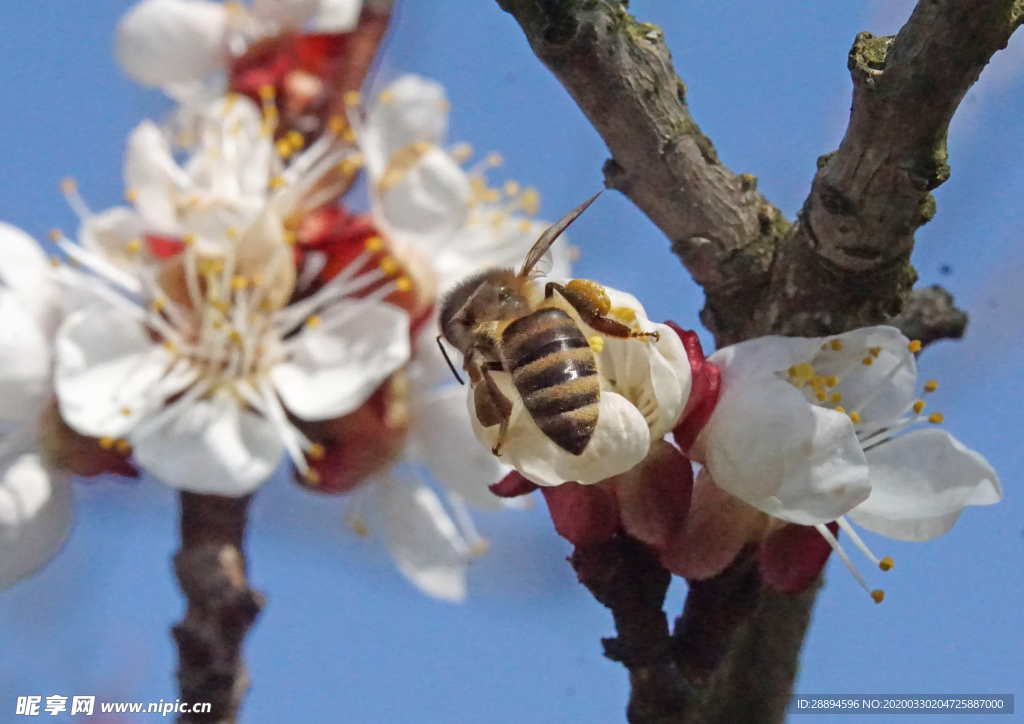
x=555 y=372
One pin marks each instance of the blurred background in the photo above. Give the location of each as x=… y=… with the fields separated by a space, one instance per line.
x=344 y=638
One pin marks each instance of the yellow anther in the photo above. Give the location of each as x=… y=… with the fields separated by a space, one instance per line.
x=349 y=135
x=386 y=96
x=491 y=195
x=185 y=138
x=530 y=201
x=68 y=185
x=461 y=152
x=878 y=595
x=836 y=345
x=350 y=165
x=868 y=360
x=134 y=246
x=931 y=386
x=855 y=417
x=316 y=451
x=257 y=280
x=170 y=346
x=480 y=547
x=886 y=564
x=107 y=443
x=403 y=284
x=525 y=226
x=936 y=418
x=158 y=304
x=230 y=100
x=188 y=239
x=374 y=244
x=295 y=140
x=122 y=446
x=312 y=476
x=337 y=124
x=284 y=149
x=875 y=351
x=358 y=525
x=840 y=409
x=494 y=159
x=831 y=380
x=444 y=105
x=511 y=188
x=231 y=232
x=235 y=337
x=821 y=396
x=289 y=237
x=54 y=261
x=239 y=283
x=836 y=398
x=313 y=321
x=131 y=195
x=918 y=406
x=351 y=98
x=802 y=372
x=596 y=343
x=126 y=411
x=388 y=266
x=914 y=346
x=55 y=234
x=276 y=182
x=267 y=92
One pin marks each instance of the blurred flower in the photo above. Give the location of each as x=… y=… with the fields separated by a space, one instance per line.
x=645 y=385
x=185 y=346
x=36 y=505
x=808 y=431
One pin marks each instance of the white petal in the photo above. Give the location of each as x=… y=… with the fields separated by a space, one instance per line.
x=441 y=437
x=337 y=16
x=24 y=362
x=108 y=234
x=920 y=482
x=426 y=202
x=107 y=372
x=765 y=355
x=170 y=41
x=36 y=512
x=872 y=390
x=212 y=446
x=415 y=111
x=620 y=441
x=334 y=367
x=769 y=447
x=25 y=270
x=423 y=540
x=151 y=173
x=286 y=13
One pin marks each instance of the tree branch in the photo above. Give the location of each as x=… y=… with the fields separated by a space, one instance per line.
x=221 y=607
x=847 y=262
x=929 y=315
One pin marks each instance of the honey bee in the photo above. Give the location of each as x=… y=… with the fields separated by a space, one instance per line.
x=500 y=322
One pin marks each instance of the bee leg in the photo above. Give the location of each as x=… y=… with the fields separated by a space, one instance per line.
x=497 y=404
x=594 y=315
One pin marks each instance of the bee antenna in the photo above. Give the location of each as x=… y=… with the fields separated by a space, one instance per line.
x=448 y=359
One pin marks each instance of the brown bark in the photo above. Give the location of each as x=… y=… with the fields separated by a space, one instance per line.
x=221 y=607
x=844 y=264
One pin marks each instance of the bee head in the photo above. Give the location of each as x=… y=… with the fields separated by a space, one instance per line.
x=492 y=295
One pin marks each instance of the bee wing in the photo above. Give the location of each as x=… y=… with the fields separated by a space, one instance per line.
x=547 y=238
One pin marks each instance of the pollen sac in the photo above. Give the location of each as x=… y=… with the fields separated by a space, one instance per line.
x=592 y=292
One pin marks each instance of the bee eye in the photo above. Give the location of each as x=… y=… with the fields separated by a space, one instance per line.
x=504 y=295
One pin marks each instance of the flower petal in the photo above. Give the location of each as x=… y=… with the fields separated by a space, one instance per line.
x=620 y=441
x=27 y=273
x=172 y=41
x=108 y=372
x=109 y=233
x=151 y=173
x=921 y=482
x=441 y=437
x=411 y=110
x=767 y=446
x=287 y=13
x=36 y=513
x=24 y=362
x=211 y=446
x=423 y=540
x=337 y=16
x=335 y=366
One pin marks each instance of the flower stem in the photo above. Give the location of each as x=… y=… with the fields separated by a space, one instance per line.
x=210 y=568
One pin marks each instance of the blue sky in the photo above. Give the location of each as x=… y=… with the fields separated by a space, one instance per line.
x=344 y=638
